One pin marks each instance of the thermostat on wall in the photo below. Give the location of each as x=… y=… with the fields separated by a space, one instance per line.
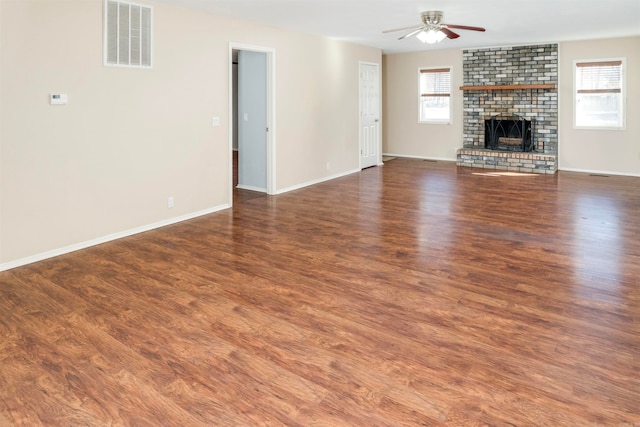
x=58 y=98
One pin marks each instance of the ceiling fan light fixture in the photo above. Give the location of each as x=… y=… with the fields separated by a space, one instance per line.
x=432 y=30
x=431 y=36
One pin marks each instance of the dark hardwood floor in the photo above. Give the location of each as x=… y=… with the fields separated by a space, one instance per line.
x=410 y=294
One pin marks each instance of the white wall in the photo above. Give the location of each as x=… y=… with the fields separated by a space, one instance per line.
x=402 y=134
x=603 y=151
x=105 y=164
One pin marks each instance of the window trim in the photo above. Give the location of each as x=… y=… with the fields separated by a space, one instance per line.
x=105 y=35
x=622 y=91
x=433 y=69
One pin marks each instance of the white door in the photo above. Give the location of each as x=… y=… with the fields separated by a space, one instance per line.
x=369 y=115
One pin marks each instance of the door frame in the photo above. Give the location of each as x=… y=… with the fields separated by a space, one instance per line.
x=271 y=113
x=379 y=133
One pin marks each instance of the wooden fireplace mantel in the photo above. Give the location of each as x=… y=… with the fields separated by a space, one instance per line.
x=510 y=87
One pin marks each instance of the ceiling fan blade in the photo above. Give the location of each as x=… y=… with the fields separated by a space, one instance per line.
x=412 y=33
x=413 y=27
x=465 y=27
x=449 y=33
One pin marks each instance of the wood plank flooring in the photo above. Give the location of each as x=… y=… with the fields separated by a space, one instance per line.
x=411 y=294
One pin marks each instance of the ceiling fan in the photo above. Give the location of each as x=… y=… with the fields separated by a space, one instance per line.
x=433 y=30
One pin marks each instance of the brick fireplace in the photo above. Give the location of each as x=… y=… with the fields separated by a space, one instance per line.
x=514 y=82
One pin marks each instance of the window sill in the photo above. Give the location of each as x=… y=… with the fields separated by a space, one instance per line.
x=607 y=128
x=434 y=122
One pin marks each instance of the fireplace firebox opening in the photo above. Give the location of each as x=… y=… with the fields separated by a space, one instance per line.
x=509 y=133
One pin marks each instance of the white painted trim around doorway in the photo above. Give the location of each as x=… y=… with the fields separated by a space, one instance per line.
x=271 y=113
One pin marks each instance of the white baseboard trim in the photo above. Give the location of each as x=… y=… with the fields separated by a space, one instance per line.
x=108 y=238
x=250 y=188
x=440 y=159
x=596 y=172
x=316 y=181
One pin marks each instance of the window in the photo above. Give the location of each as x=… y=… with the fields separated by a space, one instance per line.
x=127 y=34
x=435 y=95
x=599 y=94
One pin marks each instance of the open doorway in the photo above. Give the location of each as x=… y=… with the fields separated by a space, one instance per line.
x=252 y=124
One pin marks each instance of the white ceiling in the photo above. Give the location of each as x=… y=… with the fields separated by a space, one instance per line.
x=508 y=22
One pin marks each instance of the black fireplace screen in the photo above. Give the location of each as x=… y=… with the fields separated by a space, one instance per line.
x=509 y=133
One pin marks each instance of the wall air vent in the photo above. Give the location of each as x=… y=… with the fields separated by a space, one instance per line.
x=127 y=34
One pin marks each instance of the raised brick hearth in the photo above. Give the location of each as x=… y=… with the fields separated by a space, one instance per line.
x=511 y=81
x=511 y=161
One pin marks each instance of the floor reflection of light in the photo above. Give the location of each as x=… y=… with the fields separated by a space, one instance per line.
x=504 y=174
x=436 y=195
x=596 y=240
x=436 y=192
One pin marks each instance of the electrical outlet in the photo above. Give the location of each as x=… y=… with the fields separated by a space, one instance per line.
x=170 y=202
x=328 y=165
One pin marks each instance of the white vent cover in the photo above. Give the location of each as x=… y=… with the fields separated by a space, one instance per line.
x=127 y=34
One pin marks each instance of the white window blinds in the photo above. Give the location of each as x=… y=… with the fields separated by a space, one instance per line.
x=435 y=82
x=599 y=77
